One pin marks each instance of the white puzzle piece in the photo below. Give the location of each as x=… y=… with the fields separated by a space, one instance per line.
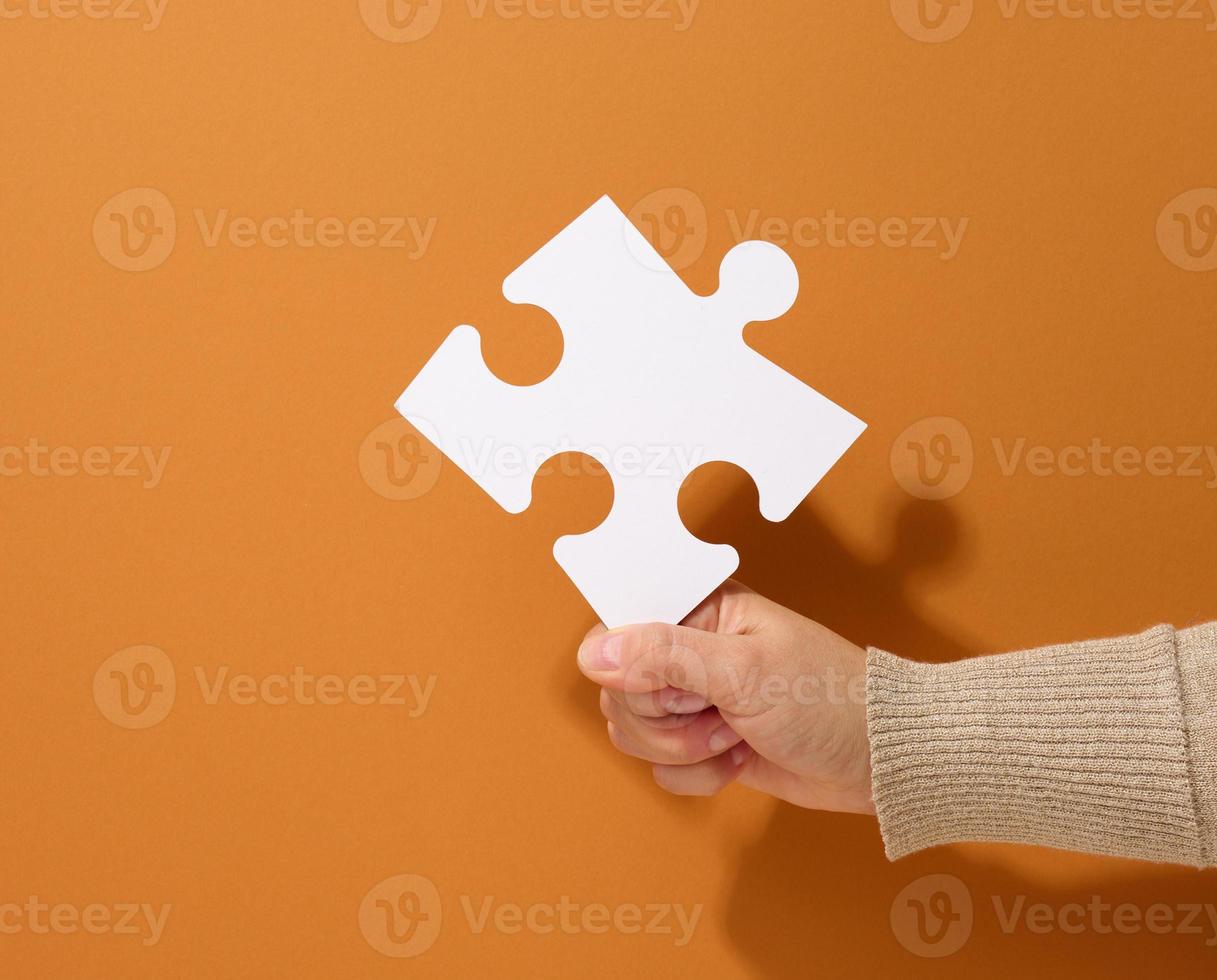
x=654 y=381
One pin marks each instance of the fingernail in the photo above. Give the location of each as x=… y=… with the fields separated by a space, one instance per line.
x=602 y=652
x=721 y=737
x=739 y=754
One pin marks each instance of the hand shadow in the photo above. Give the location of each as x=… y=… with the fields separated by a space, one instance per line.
x=814 y=894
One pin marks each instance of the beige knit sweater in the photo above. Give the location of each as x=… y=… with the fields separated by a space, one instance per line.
x=1108 y=746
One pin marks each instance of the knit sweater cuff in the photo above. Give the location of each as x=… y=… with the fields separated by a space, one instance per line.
x=1081 y=746
x=1197 y=651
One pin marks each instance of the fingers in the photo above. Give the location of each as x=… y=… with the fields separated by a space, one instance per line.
x=660 y=684
x=657 y=718
x=705 y=778
x=712 y=658
x=691 y=755
x=644 y=659
x=695 y=739
x=665 y=703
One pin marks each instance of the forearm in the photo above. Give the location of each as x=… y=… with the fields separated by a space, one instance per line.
x=1108 y=746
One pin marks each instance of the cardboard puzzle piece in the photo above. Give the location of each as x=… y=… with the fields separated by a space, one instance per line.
x=654 y=381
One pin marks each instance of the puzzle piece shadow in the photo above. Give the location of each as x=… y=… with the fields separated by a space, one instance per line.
x=813 y=893
x=804 y=565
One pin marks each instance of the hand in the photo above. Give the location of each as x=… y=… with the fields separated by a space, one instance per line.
x=742 y=690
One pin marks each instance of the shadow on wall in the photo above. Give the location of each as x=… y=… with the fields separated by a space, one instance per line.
x=814 y=894
x=803 y=565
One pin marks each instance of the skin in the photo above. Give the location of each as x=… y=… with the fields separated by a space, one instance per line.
x=743 y=690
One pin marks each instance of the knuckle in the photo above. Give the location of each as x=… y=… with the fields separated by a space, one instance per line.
x=671 y=721
x=647 y=652
x=684 y=783
x=645 y=704
x=684 y=751
x=663 y=779
x=687 y=671
x=736 y=607
x=625 y=743
x=656 y=640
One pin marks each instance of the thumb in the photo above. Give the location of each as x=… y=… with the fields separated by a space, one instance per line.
x=639 y=659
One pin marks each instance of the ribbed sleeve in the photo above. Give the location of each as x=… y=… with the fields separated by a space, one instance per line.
x=1085 y=746
x=1197 y=650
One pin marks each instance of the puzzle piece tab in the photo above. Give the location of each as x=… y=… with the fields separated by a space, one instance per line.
x=654 y=381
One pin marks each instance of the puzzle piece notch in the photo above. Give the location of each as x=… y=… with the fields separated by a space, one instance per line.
x=624 y=311
x=757 y=282
x=646 y=363
x=644 y=543
x=573 y=276
x=461 y=427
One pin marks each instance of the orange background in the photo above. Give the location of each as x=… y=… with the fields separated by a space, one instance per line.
x=265 y=549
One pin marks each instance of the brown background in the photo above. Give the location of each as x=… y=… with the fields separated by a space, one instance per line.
x=264 y=548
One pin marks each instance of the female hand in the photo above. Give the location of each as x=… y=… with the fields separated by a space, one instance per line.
x=742 y=690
